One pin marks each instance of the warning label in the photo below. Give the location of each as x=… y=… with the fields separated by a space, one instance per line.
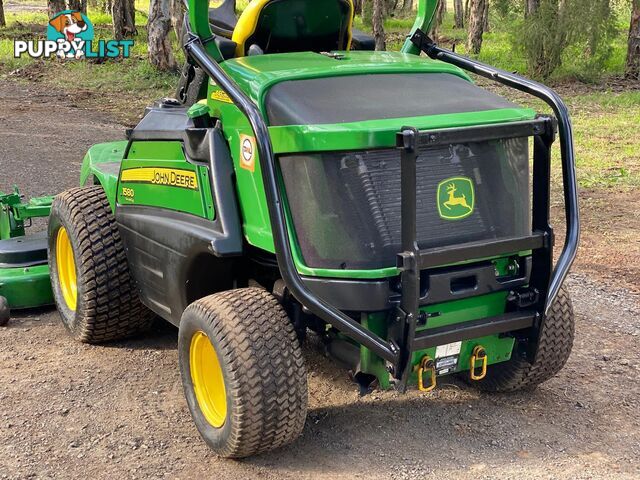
x=248 y=153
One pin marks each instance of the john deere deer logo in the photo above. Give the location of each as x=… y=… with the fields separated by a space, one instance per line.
x=456 y=198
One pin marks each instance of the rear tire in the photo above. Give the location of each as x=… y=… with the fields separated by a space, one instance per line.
x=5 y=312
x=554 y=348
x=104 y=305
x=260 y=371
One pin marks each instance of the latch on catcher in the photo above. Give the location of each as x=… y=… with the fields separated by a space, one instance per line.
x=479 y=355
x=428 y=366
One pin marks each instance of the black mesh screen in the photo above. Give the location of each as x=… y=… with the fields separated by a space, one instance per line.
x=346 y=206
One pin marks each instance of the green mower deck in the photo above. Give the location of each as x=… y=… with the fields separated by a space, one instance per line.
x=24 y=272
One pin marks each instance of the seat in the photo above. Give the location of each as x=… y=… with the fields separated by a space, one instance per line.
x=223 y=20
x=278 y=26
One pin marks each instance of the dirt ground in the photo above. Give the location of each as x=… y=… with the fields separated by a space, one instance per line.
x=117 y=411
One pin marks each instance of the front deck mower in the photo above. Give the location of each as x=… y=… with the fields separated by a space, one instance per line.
x=379 y=199
x=24 y=273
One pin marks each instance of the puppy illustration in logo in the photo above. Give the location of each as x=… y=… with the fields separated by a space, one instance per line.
x=70 y=28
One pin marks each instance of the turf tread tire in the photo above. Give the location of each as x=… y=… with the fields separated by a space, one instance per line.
x=108 y=306
x=554 y=348
x=263 y=367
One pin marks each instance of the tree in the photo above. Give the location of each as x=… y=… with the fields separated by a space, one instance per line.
x=485 y=17
x=407 y=7
x=633 y=53
x=544 y=36
x=458 y=10
x=476 y=26
x=176 y=8
x=3 y=22
x=439 y=17
x=80 y=5
x=377 y=19
x=123 y=14
x=55 y=6
x=158 y=26
x=530 y=7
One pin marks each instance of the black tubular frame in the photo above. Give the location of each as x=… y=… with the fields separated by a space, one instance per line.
x=565 y=131
x=397 y=351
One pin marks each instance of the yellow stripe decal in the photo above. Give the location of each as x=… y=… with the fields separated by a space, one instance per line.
x=161 y=176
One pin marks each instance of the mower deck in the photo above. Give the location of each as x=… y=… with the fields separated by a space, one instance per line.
x=24 y=271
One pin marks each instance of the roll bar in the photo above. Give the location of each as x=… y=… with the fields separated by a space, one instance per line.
x=424 y=44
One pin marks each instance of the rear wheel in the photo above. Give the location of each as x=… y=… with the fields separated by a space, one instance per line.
x=92 y=287
x=554 y=348
x=243 y=372
x=5 y=313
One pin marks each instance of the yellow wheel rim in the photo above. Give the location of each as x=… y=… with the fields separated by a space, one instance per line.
x=66 y=269
x=208 y=381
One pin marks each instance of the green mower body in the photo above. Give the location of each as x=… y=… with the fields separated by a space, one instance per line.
x=159 y=183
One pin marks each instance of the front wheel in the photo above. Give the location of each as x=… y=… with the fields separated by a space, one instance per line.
x=554 y=348
x=243 y=372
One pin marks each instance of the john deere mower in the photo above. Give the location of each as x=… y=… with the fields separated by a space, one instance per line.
x=302 y=182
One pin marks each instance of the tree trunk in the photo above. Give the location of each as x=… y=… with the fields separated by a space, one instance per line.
x=530 y=7
x=407 y=7
x=476 y=26
x=485 y=17
x=467 y=11
x=3 y=22
x=158 y=26
x=633 y=53
x=176 y=8
x=437 y=21
x=458 y=10
x=55 y=6
x=377 y=19
x=80 y=5
x=124 y=19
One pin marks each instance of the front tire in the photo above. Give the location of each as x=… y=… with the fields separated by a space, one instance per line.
x=554 y=348
x=92 y=287
x=243 y=372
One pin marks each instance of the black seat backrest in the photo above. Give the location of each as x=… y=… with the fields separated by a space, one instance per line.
x=278 y=26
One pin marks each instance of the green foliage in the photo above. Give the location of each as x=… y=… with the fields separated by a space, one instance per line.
x=579 y=29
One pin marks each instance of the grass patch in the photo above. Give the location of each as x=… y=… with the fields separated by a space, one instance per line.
x=607 y=138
